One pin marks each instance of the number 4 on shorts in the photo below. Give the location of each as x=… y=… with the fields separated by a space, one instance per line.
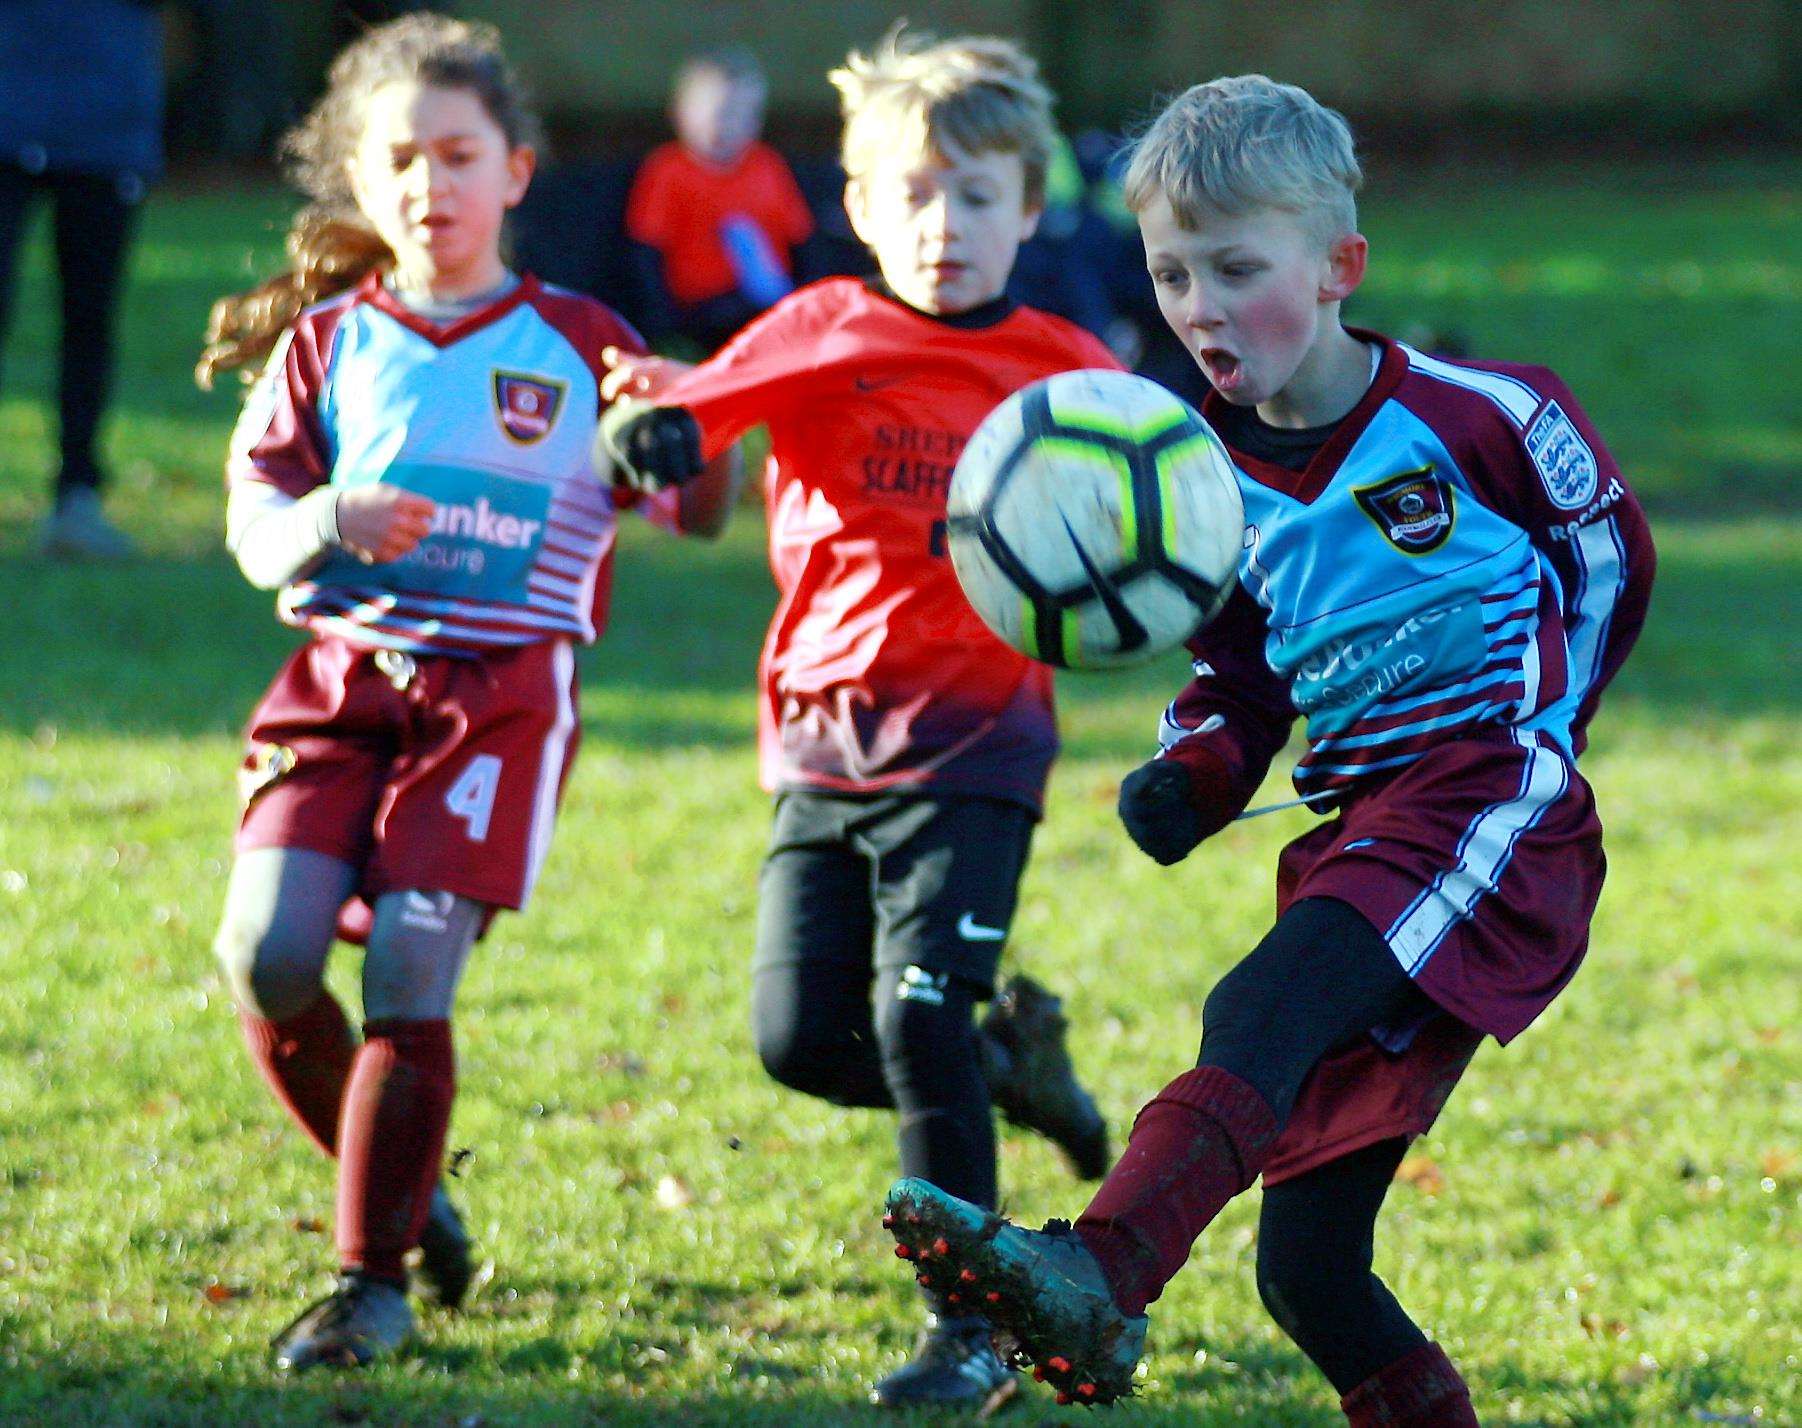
x=471 y=797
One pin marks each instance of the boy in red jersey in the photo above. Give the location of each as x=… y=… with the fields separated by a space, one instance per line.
x=716 y=213
x=906 y=745
x=1442 y=570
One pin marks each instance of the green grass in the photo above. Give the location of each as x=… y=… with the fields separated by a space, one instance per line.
x=1615 y=1236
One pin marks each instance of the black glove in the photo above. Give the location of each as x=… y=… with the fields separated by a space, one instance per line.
x=650 y=446
x=1157 y=806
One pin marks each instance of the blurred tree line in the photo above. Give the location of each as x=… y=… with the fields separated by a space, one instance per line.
x=1417 y=72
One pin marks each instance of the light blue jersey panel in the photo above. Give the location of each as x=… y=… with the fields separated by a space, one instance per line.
x=1398 y=605
x=489 y=426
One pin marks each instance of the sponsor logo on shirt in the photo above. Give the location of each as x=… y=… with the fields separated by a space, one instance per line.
x=487 y=530
x=912 y=463
x=1563 y=459
x=479 y=521
x=527 y=406
x=1337 y=684
x=1414 y=511
x=1568 y=529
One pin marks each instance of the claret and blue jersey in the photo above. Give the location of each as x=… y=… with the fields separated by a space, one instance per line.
x=492 y=417
x=1462 y=552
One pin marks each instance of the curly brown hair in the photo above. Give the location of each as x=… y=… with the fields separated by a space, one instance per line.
x=331 y=246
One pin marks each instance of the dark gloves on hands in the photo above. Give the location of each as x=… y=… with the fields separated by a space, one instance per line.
x=1157 y=805
x=651 y=447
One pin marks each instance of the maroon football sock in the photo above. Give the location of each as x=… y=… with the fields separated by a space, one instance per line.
x=396 y=1113
x=306 y=1061
x=1419 y=1390
x=1198 y=1143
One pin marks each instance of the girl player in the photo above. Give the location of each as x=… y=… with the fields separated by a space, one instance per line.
x=413 y=471
x=907 y=746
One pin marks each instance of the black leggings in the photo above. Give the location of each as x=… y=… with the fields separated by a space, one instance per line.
x=92 y=225
x=820 y=1030
x=879 y=926
x=1315 y=1243
x=1322 y=978
x=1319 y=980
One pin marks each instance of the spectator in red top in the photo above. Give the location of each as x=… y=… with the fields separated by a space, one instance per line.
x=716 y=213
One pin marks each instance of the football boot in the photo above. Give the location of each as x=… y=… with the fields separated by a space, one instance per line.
x=443 y=1273
x=1042 y=1290
x=78 y=529
x=953 y=1366
x=1031 y=1081
x=361 y=1320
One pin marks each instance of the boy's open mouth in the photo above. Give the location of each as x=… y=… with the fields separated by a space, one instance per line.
x=1222 y=368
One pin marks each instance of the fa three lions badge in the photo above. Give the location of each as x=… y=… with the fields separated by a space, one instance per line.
x=1566 y=465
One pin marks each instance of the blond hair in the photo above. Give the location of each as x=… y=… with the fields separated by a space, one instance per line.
x=1246 y=142
x=969 y=95
x=331 y=245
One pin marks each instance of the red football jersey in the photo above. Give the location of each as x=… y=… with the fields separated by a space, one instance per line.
x=680 y=205
x=877 y=676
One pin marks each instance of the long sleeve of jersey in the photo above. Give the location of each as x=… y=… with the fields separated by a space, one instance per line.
x=1600 y=549
x=1233 y=717
x=279 y=439
x=281 y=513
x=753 y=378
x=276 y=539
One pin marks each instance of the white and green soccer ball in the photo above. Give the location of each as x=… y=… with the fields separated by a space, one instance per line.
x=1094 y=520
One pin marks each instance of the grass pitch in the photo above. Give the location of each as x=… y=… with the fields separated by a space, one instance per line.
x=1605 y=1228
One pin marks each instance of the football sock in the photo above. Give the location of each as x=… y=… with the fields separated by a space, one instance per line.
x=1200 y=1141
x=1421 y=1390
x=396 y=1115
x=306 y=1060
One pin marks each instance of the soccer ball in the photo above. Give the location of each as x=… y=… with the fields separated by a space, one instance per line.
x=1094 y=520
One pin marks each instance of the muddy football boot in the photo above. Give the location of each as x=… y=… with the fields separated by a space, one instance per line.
x=358 y=1322
x=443 y=1273
x=1031 y=1080
x=1041 y=1289
x=954 y=1366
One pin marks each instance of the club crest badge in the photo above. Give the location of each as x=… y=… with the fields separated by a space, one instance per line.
x=1563 y=459
x=527 y=406
x=1414 y=511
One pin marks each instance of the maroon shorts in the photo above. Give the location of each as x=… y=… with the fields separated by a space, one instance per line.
x=425 y=771
x=1480 y=864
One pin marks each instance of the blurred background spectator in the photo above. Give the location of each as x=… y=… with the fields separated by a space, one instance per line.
x=81 y=111
x=715 y=215
x=691 y=237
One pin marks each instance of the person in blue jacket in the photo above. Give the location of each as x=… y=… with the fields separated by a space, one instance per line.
x=81 y=124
